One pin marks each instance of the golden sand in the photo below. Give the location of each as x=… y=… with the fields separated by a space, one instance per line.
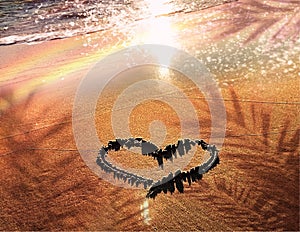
x=45 y=184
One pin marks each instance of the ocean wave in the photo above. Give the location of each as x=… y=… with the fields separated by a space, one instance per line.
x=46 y=36
x=36 y=21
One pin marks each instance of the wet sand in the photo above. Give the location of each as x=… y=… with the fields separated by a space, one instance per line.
x=45 y=184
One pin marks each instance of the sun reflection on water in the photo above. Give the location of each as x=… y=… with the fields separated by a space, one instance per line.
x=157 y=29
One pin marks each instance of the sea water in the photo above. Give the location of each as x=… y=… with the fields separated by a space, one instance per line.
x=25 y=21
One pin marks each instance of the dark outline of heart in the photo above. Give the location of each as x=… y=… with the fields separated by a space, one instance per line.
x=166 y=183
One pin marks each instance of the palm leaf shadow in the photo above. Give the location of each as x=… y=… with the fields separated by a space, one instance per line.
x=48 y=183
x=258 y=193
x=250 y=16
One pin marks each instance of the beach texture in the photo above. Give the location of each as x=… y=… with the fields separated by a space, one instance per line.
x=46 y=185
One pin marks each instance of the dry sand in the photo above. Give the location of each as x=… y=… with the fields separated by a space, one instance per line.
x=45 y=185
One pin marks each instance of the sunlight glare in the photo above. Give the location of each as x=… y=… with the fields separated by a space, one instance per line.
x=145 y=211
x=157 y=29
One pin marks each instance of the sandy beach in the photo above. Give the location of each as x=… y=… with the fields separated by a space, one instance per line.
x=45 y=183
